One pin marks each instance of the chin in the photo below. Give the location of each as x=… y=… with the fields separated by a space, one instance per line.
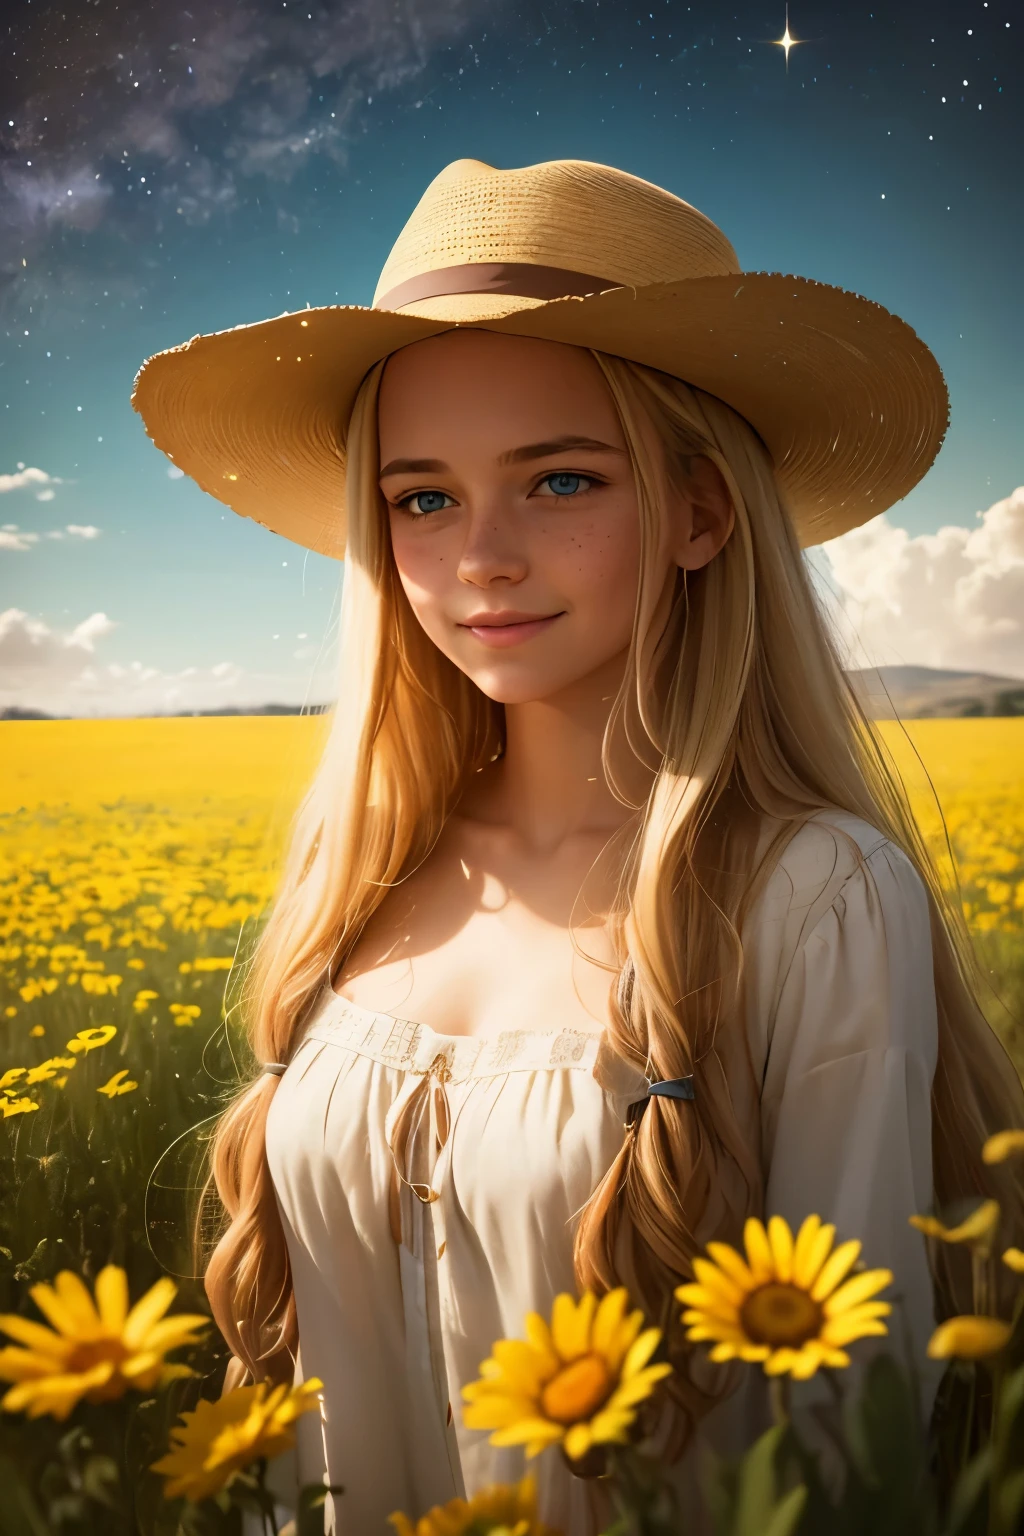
x=517 y=685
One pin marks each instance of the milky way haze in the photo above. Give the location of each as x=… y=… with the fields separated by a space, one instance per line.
x=141 y=113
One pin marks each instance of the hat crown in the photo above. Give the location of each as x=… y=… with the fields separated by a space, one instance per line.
x=570 y=214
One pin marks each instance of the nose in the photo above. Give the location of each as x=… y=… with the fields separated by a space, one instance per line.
x=493 y=550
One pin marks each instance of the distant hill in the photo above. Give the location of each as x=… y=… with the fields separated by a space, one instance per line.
x=909 y=693
x=915 y=693
x=16 y=712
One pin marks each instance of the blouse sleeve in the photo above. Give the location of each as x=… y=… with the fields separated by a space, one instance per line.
x=846 y=1094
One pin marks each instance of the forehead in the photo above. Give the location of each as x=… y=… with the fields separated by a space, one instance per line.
x=469 y=386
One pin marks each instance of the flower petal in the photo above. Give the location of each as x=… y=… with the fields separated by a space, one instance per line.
x=640 y=1351
x=733 y=1264
x=608 y=1319
x=835 y=1268
x=759 y=1253
x=68 y=1306
x=857 y=1289
x=53 y=1345
x=780 y=1239
x=813 y=1246
x=578 y=1441
x=717 y=1282
x=147 y=1311
x=112 y=1298
x=1002 y=1145
x=570 y=1324
x=968 y=1338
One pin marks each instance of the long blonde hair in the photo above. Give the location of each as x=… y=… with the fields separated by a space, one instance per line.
x=735 y=698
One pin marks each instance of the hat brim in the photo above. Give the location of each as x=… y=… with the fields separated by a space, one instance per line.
x=849 y=401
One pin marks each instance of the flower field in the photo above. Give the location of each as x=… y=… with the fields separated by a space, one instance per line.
x=136 y=859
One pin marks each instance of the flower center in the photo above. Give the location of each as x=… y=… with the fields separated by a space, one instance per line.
x=90 y=1352
x=780 y=1315
x=577 y=1391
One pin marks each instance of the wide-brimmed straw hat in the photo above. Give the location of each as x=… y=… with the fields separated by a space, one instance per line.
x=849 y=401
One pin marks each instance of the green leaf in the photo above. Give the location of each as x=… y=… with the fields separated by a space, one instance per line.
x=968 y=1512
x=758 y=1509
x=100 y=1480
x=786 y=1515
x=1008 y=1500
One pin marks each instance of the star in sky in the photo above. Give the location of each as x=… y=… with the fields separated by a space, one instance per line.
x=786 y=42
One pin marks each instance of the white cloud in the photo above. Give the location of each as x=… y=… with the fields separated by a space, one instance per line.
x=63 y=673
x=174 y=473
x=25 y=477
x=14 y=538
x=954 y=598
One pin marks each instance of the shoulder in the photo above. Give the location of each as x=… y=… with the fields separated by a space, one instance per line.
x=841 y=930
x=834 y=861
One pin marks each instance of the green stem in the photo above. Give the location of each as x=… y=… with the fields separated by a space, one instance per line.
x=778 y=1392
x=968 y=1436
x=266 y=1497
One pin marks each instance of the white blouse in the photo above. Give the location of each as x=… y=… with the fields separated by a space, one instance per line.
x=402 y=1289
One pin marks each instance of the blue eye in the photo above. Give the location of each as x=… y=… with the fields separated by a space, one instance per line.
x=564 y=484
x=428 y=501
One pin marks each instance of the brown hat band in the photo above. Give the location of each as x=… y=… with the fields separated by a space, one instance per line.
x=525 y=279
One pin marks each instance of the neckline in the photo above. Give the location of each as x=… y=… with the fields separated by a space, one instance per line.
x=336 y=999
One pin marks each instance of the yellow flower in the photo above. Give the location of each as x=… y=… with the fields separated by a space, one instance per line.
x=95 y=1350
x=968 y=1338
x=37 y=1031
x=11 y=1076
x=789 y=1304
x=184 y=1013
x=142 y=999
x=575 y=1383
x=1013 y=1258
x=17 y=1107
x=136 y=964
x=89 y=1039
x=1002 y=1145
x=49 y=1068
x=10 y=1011
x=116 y=1086
x=977 y=1231
x=218 y=1440
x=503 y=1509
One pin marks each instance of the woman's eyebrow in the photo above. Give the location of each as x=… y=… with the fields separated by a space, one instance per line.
x=513 y=456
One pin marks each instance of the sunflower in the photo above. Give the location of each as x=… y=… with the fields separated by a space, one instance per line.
x=969 y=1338
x=977 y=1230
x=789 y=1304
x=216 y=1441
x=503 y=1509
x=96 y=1350
x=1002 y=1145
x=574 y=1383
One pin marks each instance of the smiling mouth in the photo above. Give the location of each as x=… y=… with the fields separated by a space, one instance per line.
x=512 y=629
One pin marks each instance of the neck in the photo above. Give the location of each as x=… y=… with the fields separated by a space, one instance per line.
x=549 y=784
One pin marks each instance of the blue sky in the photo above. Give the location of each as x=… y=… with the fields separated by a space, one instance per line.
x=259 y=157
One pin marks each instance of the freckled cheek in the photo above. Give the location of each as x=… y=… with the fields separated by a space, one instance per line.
x=425 y=569
x=598 y=566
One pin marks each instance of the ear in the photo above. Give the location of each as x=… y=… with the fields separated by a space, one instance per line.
x=704 y=516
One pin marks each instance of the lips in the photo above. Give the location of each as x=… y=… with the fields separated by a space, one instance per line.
x=498 y=630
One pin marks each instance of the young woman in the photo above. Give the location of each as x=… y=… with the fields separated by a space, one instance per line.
x=598 y=809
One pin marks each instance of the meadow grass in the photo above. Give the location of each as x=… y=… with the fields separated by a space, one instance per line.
x=137 y=859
